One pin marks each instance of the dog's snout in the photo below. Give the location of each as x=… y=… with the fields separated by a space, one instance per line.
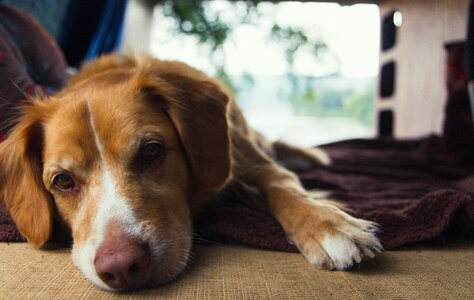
x=122 y=264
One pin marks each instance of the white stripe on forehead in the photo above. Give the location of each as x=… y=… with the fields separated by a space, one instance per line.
x=94 y=131
x=111 y=202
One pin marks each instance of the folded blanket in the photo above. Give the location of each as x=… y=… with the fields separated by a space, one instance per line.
x=406 y=187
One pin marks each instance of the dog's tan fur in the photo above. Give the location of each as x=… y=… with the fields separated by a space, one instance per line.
x=122 y=101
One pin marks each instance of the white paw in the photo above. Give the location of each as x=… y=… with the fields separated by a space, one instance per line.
x=338 y=241
x=343 y=252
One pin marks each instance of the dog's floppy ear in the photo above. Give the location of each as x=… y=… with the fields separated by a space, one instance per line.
x=197 y=106
x=21 y=185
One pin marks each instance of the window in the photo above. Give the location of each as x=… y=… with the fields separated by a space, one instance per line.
x=387 y=80
x=385 y=123
x=390 y=25
x=300 y=73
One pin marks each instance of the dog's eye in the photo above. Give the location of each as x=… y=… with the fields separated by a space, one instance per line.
x=63 y=182
x=151 y=150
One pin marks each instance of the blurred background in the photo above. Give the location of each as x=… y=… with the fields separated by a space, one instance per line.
x=307 y=72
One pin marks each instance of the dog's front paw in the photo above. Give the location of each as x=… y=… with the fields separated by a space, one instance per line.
x=331 y=239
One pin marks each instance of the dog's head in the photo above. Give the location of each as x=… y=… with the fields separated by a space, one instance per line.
x=123 y=156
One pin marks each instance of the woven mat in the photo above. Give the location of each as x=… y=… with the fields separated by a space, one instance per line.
x=236 y=272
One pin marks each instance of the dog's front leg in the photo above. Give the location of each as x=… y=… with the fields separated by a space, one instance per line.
x=327 y=236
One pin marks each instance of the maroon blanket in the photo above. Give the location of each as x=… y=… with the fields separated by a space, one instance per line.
x=406 y=187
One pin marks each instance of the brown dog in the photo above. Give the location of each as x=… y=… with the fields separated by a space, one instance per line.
x=129 y=152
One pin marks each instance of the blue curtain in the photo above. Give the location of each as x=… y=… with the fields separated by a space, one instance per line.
x=109 y=33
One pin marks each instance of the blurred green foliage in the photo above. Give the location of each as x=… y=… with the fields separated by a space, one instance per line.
x=195 y=19
x=326 y=101
x=191 y=19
